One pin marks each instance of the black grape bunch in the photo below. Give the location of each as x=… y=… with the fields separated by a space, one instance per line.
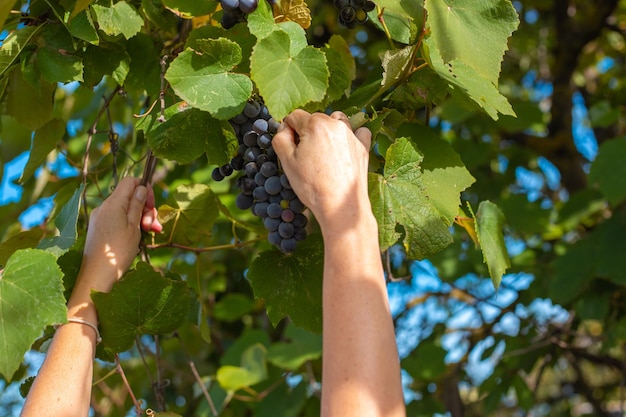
x=264 y=188
x=235 y=11
x=352 y=12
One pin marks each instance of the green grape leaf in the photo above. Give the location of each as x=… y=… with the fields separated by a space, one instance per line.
x=287 y=73
x=284 y=401
x=82 y=27
x=473 y=33
x=399 y=199
x=186 y=135
x=489 y=225
x=142 y=302
x=189 y=214
x=5 y=9
x=339 y=44
x=31 y=298
x=301 y=346
x=291 y=285
x=23 y=240
x=65 y=222
x=423 y=88
x=57 y=58
x=394 y=64
x=402 y=19
x=119 y=19
x=14 y=44
x=253 y=369
x=189 y=9
x=261 y=21
x=464 y=80
x=338 y=83
x=44 y=142
x=444 y=176
x=203 y=78
x=609 y=170
x=105 y=59
x=30 y=106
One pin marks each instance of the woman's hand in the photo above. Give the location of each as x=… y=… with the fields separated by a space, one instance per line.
x=326 y=164
x=113 y=235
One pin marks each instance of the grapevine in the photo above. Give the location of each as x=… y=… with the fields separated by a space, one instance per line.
x=264 y=187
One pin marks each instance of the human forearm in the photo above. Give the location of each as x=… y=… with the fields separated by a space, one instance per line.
x=361 y=369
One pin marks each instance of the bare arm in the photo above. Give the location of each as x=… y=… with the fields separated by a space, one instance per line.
x=63 y=385
x=327 y=166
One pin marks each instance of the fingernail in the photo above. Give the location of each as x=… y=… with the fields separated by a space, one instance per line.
x=281 y=127
x=141 y=192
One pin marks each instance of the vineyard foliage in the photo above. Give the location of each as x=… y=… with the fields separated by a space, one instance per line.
x=491 y=211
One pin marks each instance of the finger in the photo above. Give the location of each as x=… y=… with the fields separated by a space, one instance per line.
x=150 y=221
x=338 y=115
x=297 y=119
x=136 y=205
x=284 y=142
x=365 y=136
x=124 y=191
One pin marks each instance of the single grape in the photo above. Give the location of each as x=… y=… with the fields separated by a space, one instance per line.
x=273 y=185
x=229 y=4
x=243 y=201
x=251 y=154
x=217 y=175
x=240 y=119
x=369 y=6
x=348 y=14
x=269 y=169
x=250 y=139
x=237 y=163
x=250 y=169
x=260 y=209
x=288 y=216
x=260 y=126
x=299 y=220
x=261 y=159
x=246 y=185
x=272 y=125
x=276 y=199
x=286 y=230
x=285 y=182
x=272 y=224
x=288 y=194
x=288 y=245
x=265 y=113
x=248 y=6
x=296 y=205
x=259 y=179
x=274 y=238
x=361 y=16
x=260 y=194
x=274 y=210
x=252 y=108
x=226 y=170
x=264 y=141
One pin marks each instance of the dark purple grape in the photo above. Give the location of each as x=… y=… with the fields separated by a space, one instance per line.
x=272 y=125
x=261 y=159
x=348 y=14
x=274 y=210
x=237 y=163
x=250 y=139
x=264 y=141
x=299 y=220
x=296 y=205
x=274 y=238
x=369 y=6
x=272 y=224
x=248 y=6
x=240 y=118
x=260 y=194
x=260 y=126
x=229 y=4
x=269 y=169
x=243 y=202
x=288 y=245
x=285 y=182
x=260 y=209
x=288 y=194
x=273 y=185
x=276 y=199
x=252 y=108
x=250 y=169
x=251 y=154
x=265 y=113
x=246 y=185
x=226 y=170
x=286 y=230
x=259 y=179
x=217 y=175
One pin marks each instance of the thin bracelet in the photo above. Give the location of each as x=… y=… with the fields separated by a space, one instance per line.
x=86 y=323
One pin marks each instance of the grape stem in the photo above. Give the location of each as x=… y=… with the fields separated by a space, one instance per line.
x=236 y=245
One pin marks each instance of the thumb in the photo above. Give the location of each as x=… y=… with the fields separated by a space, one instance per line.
x=137 y=202
x=365 y=137
x=284 y=142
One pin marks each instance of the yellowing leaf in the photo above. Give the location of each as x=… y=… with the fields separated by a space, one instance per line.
x=292 y=10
